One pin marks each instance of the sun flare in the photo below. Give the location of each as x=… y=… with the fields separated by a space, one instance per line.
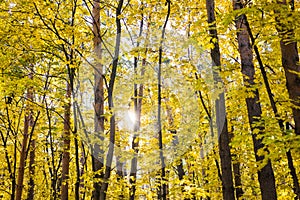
x=132 y=116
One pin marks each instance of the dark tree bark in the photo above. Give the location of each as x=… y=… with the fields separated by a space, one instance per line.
x=290 y=63
x=97 y=151
x=224 y=149
x=237 y=180
x=7 y=158
x=162 y=188
x=31 y=183
x=265 y=175
x=290 y=59
x=293 y=173
x=236 y=172
x=109 y=156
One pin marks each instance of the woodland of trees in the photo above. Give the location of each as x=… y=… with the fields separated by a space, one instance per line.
x=148 y=99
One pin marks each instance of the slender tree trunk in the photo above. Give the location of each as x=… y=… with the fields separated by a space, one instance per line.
x=224 y=149
x=82 y=170
x=179 y=166
x=52 y=168
x=22 y=163
x=7 y=160
x=97 y=155
x=31 y=183
x=67 y=116
x=77 y=161
x=138 y=94
x=204 y=174
x=265 y=175
x=31 y=148
x=170 y=118
x=109 y=156
x=162 y=188
x=237 y=180
x=12 y=165
x=66 y=145
x=236 y=173
x=21 y=169
x=13 y=175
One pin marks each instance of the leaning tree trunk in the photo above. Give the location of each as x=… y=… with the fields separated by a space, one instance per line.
x=224 y=149
x=265 y=175
x=97 y=155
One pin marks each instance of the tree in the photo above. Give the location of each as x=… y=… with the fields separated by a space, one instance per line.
x=162 y=188
x=224 y=149
x=112 y=124
x=138 y=95
x=101 y=60
x=98 y=160
x=265 y=174
x=289 y=57
x=28 y=122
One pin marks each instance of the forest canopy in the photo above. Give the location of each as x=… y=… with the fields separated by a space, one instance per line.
x=147 y=99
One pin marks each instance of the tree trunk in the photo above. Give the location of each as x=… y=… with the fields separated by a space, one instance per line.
x=290 y=60
x=66 y=145
x=22 y=163
x=236 y=173
x=265 y=175
x=97 y=155
x=179 y=166
x=82 y=171
x=109 y=156
x=31 y=183
x=290 y=63
x=77 y=161
x=293 y=173
x=138 y=95
x=237 y=180
x=162 y=188
x=224 y=149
